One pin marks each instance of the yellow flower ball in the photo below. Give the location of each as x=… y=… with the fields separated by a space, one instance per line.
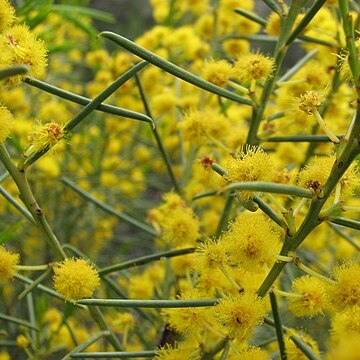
x=8 y=262
x=75 y=279
x=22 y=341
x=6 y=122
x=7 y=14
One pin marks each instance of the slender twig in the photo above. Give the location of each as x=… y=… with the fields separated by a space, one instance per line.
x=352 y=224
x=163 y=152
x=305 y=20
x=86 y=344
x=113 y=355
x=145 y=260
x=26 y=195
x=155 y=304
x=89 y=108
x=13 y=202
x=13 y=71
x=110 y=210
x=82 y=100
x=18 y=321
x=251 y=16
x=172 y=68
x=294 y=69
x=300 y=138
x=278 y=327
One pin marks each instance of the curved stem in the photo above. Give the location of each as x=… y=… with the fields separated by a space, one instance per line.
x=89 y=108
x=155 y=304
x=172 y=68
x=82 y=100
x=30 y=202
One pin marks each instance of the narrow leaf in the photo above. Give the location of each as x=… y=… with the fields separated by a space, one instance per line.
x=172 y=68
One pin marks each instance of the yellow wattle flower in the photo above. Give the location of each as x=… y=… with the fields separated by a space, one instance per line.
x=75 y=279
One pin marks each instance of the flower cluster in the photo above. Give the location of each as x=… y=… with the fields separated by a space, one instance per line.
x=221 y=171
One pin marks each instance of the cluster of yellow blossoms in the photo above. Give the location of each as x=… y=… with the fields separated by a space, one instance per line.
x=209 y=189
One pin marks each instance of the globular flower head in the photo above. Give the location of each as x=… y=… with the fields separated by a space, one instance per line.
x=75 y=279
x=347 y=347
x=199 y=126
x=247 y=353
x=251 y=241
x=45 y=136
x=180 y=226
x=238 y=314
x=346 y=323
x=20 y=46
x=8 y=262
x=309 y=101
x=235 y=47
x=253 y=66
x=212 y=255
x=188 y=320
x=314 y=175
x=180 y=351
x=7 y=14
x=6 y=122
x=313 y=297
x=217 y=72
x=250 y=163
x=345 y=70
x=273 y=24
x=22 y=341
x=293 y=351
x=346 y=291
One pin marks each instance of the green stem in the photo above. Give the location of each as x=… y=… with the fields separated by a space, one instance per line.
x=17 y=321
x=43 y=288
x=205 y=194
x=298 y=342
x=258 y=112
x=306 y=349
x=172 y=68
x=225 y=352
x=13 y=202
x=344 y=160
x=300 y=138
x=305 y=20
x=345 y=236
x=313 y=273
x=270 y=212
x=114 y=355
x=352 y=224
x=144 y=260
x=110 y=210
x=32 y=319
x=225 y=214
x=353 y=58
x=274 y=6
x=82 y=100
x=29 y=200
x=269 y=187
x=34 y=284
x=13 y=71
x=278 y=326
x=209 y=354
x=271 y=278
x=156 y=134
x=299 y=65
x=154 y=304
x=251 y=16
x=99 y=318
x=89 y=108
x=85 y=344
